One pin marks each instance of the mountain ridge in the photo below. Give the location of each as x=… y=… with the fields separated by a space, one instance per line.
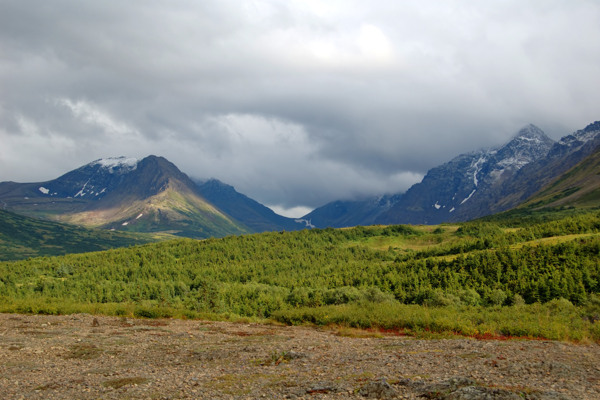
x=146 y=195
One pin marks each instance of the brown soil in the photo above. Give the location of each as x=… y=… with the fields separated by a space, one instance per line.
x=95 y=357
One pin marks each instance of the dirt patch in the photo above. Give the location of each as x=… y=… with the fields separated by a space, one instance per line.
x=90 y=357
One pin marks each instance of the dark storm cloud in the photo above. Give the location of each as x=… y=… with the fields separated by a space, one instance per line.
x=295 y=103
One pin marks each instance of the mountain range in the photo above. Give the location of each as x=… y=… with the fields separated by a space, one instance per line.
x=153 y=195
x=473 y=184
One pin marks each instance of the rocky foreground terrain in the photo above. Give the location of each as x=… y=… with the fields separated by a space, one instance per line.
x=94 y=357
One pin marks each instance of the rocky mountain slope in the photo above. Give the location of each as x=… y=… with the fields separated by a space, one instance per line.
x=564 y=155
x=578 y=187
x=466 y=187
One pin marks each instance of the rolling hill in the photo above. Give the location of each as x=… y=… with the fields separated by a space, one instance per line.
x=23 y=237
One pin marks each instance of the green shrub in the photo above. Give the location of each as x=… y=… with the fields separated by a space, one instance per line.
x=342 y=295
x=143 y=311
x=517 y=300
x=496 y=297
x=438 y=298
x=469 y=297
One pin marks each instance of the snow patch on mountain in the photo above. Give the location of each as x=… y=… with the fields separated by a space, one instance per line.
x=477 y=165
x=82 y=190
x=579 y=138
x=530 y=139
x=124 y=164
x=44 y=190
x=307 y=222
x=469 y=196
x=517 y=162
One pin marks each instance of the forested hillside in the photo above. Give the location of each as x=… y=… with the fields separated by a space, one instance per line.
x=262 y=275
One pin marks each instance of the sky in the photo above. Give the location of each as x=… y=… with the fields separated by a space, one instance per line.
x=294 y=103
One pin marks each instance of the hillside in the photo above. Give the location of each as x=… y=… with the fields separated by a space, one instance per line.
x=23 y=237
x=324 y=276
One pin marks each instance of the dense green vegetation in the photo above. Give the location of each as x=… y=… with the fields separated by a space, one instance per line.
x=483 y=277
x=23 y=237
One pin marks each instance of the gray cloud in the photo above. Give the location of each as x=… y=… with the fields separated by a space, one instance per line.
x=295 y=103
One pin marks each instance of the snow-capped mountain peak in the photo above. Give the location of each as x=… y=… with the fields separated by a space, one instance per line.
x=529 y=144
x=531 y=133
x=93 y=180
x=114 y=164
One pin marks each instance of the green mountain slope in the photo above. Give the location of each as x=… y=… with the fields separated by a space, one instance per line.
x=23 y=237
x=175 y=209
x=579 y=187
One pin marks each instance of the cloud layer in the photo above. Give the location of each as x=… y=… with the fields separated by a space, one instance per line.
x=295 y=103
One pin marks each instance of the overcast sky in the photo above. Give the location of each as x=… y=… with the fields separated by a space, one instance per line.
x=295 y=103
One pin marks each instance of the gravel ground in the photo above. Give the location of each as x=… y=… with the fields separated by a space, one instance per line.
x=95 y=357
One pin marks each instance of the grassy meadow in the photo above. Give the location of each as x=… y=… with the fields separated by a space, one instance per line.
x=521 y=276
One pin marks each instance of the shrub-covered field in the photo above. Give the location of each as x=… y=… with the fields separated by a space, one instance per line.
x=481 y=278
